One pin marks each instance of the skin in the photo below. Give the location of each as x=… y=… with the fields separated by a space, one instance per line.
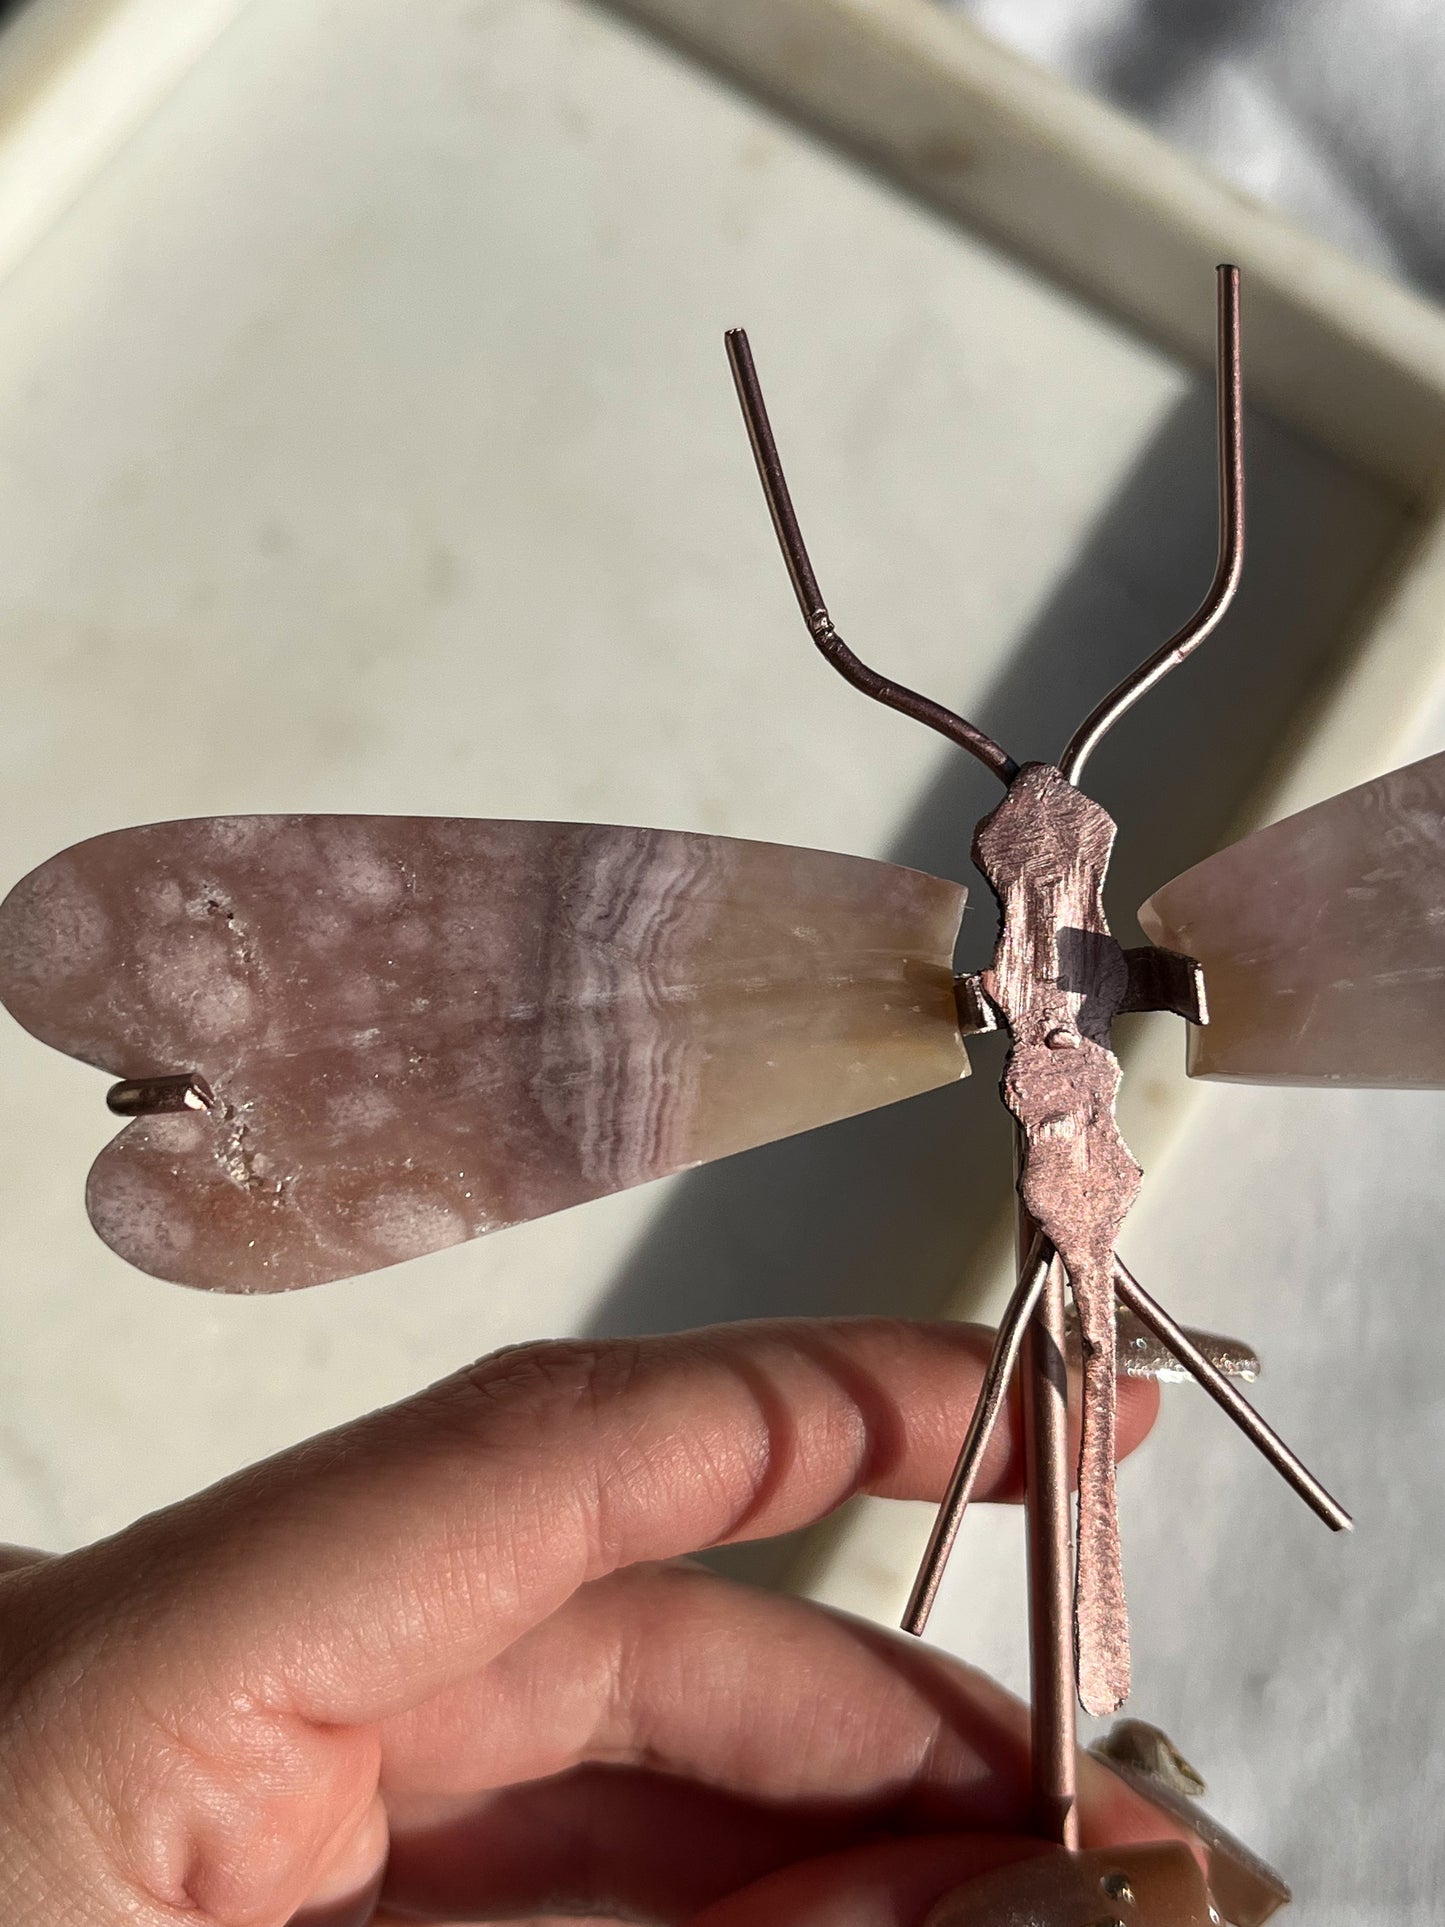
x=448 y=1663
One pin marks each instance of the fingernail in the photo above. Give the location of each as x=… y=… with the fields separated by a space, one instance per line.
x=1245 y=1889
x=1147 y=1749
x=1141 y=1355
x=1108 y=1887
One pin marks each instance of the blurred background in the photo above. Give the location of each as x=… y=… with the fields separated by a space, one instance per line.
x=366 y=444
x=1329 y=109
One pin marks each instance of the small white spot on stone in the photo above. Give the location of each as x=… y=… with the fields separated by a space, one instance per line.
x=54 y=927
x=221 y=1010
x=164 y=899
x=356 y=998
x=175 y=1132
x=410 y=936
x=231 y=835
x=137 y=1218
x=393 y=1062
x=359 y=1110
x=323 y=929
x=359 y=874
x=406 y=1223
x=191 y=978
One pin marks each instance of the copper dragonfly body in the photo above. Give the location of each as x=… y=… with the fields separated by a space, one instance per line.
x=1058 y=980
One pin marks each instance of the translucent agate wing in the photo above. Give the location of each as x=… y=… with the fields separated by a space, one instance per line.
x=419 y=1030
x=1323 y=941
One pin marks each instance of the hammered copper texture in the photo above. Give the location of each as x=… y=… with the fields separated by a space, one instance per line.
x=1059 y=978
x=419 y=1030
x=1322 y=940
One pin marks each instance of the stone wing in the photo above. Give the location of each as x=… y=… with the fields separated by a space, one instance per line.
x=1322 y=940
x=418 y=1030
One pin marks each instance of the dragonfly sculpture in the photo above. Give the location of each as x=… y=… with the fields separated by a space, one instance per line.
x=344 y=1041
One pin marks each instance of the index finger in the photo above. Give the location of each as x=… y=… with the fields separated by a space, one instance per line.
x=353 y=1576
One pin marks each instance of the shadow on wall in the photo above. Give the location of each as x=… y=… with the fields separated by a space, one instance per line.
x=879 y=1213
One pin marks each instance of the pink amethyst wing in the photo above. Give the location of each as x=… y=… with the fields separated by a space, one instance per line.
x=1322 y=940
x=418 y=1030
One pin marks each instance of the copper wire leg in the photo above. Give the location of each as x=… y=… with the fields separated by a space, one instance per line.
x=992 y=1393
x=1261 y=1435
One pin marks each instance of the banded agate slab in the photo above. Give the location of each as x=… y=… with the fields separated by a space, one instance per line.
x=1322 y=940
x=418 y=1030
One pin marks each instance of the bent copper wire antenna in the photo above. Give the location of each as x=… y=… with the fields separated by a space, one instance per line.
x=345 y=1041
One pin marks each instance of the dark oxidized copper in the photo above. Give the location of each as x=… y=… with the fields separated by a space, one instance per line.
x=160 y=1096
x=1163 y=980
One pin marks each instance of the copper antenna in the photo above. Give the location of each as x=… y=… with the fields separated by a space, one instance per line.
x=1229 y=384
x=810 y=597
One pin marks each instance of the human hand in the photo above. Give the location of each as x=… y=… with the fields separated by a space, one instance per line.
x=436 y=1665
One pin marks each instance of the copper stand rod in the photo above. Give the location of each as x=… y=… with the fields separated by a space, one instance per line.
x=1045 y=1392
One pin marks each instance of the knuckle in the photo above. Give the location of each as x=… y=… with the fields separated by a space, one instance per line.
x=547 y=1379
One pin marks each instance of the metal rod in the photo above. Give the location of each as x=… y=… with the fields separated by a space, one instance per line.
x=1229 y=380
x=1261 y=1435
x=990 y=1403
x=1045 y=1391
x=157 y=1096
x=810 y=597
